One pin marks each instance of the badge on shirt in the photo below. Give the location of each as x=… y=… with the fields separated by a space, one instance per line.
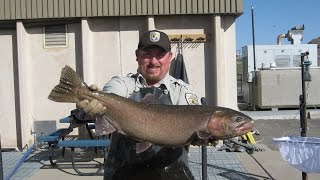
x=192 y=99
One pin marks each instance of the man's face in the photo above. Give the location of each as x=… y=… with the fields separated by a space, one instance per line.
x=154 y=63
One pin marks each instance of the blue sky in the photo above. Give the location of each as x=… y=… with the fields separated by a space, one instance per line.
x=274 y=17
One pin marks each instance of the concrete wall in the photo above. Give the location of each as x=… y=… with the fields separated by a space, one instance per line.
x=194 y=54
x=282 y=88
x=99 y=48
x=46 y=64
x=109 y=52
x=7 y=91
x=211 y=72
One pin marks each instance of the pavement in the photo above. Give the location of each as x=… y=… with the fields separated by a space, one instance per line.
x=267 y=164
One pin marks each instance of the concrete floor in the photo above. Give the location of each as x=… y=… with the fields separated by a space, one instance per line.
x=274 y=128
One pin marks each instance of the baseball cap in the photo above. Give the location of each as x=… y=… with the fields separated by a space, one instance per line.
x=154 y=38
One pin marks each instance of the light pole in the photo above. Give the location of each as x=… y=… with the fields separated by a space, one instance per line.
x=1 y=166
x=305 y=76
x=254 y=62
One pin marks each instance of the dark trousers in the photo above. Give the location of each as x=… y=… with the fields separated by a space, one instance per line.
x=175 y=171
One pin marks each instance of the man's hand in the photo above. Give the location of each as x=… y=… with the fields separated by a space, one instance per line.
x=93 y=108
x=94 y=87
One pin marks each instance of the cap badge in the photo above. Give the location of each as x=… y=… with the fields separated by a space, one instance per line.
x=154 y=36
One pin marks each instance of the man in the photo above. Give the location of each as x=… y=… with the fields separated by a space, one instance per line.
x=154 y=57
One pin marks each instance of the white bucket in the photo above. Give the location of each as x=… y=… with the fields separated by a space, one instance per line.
x=302 y=153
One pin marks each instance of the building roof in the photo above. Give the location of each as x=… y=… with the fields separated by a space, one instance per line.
x=40 y=9
x=315 y=41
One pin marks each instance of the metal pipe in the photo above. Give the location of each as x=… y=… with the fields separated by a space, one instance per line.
x=204 y=155
x=204 y=162
x=20 y=162
x=253 y=41
x=303 y=115
x=1 y=166
x=291 y=68
x=254 y=62
x=281 y=36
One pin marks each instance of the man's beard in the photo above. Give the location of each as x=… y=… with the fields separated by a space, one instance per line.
x=152 y=79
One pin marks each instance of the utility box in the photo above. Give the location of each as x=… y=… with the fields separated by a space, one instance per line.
x=281 y=88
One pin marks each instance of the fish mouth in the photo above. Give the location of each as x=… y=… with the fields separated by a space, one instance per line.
x=245 y=127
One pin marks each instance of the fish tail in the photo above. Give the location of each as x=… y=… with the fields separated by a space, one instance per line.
x=66 y=90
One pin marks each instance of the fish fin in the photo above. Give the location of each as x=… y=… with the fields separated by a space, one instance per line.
x=151 y=99
x=203 y=135
x=65 y=91
x=143 y=146
x=103 y=126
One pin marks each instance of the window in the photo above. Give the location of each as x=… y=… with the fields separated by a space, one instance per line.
x=55 y=36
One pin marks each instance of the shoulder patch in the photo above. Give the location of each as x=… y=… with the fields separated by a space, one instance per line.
x=179 y=81
x=192 y=99
x=130 y=75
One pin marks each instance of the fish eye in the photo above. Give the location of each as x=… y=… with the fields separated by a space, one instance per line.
x=238 y=119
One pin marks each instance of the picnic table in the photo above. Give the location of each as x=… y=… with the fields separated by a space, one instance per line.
x=57 y=140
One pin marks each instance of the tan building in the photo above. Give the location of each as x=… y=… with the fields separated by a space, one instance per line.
x=98 y=38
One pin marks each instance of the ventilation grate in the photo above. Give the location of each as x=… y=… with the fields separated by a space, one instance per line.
x=283 y=60
x=296 y=60
x=55 y=36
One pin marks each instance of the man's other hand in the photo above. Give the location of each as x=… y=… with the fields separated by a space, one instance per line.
x=93 y=108
x=94 y=87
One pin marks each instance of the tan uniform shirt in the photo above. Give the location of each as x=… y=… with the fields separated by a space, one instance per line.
x=180 y=92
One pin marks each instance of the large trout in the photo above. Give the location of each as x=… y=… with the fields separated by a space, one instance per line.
x=167 y=125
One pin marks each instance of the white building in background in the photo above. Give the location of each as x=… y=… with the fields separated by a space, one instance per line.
x=277 y=69
x=275 y=56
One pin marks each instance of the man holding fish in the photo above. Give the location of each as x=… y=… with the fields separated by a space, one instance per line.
x=153 y=57
x=149 y=139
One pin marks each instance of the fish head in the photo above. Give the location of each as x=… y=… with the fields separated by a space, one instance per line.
x=227 y=123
